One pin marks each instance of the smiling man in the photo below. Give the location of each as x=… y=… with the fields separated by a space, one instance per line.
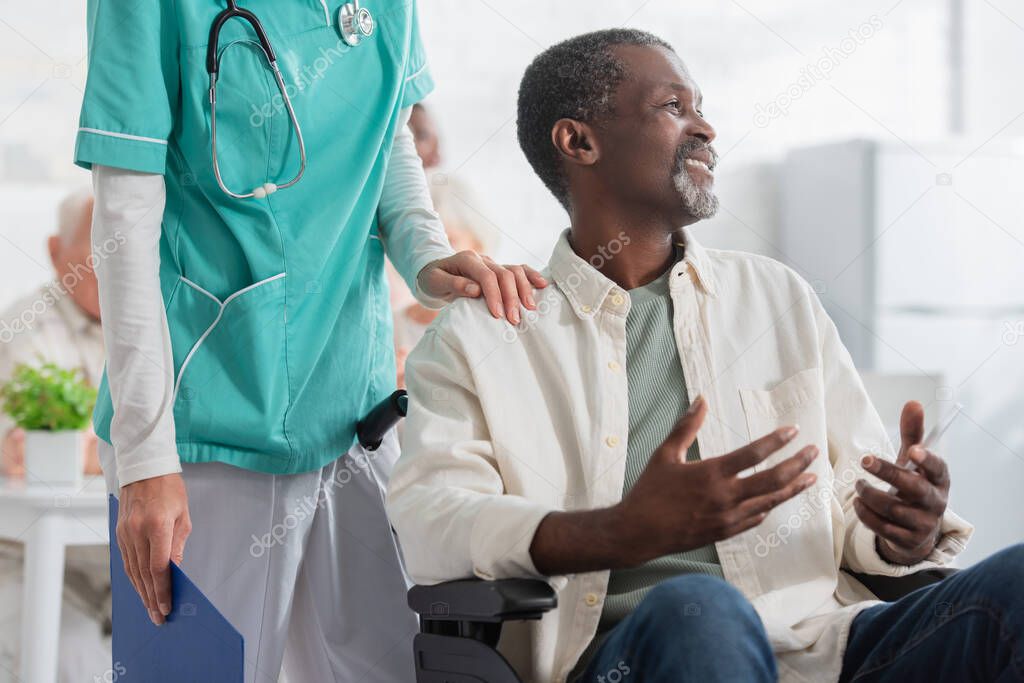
x=635 y=439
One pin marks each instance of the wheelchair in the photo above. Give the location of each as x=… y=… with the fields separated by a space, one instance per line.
x=461 y=621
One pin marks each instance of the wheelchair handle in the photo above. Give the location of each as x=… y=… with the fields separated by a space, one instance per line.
x=379 y=421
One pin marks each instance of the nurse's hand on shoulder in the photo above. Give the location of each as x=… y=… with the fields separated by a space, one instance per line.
x=152 y=525
x=469 y=274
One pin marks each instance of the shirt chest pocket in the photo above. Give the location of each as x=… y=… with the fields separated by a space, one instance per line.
x=796 y=400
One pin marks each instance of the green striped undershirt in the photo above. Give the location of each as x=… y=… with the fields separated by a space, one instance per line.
x=657 y=398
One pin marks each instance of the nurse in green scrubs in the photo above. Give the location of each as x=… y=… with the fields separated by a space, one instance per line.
x=246 y=335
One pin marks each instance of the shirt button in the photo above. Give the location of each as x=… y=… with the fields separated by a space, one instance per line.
x=586 y=309
x=618 y=299
x=613 y=366
x=612 y=441
x=591 y=599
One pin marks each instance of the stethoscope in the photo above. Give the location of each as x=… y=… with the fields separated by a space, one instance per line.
x=354 y=24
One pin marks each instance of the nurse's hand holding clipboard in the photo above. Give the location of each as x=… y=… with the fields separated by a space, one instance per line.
x=469 y=274
x=152 y=525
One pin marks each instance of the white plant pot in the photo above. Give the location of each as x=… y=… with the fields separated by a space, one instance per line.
x=55 y=458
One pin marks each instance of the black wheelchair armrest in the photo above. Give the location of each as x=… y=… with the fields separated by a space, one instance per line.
x=892 y=588
x=460 y=625
x=475 y=600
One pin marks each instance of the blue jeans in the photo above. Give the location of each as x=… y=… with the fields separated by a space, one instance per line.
x=969 y=627
x=689 y=628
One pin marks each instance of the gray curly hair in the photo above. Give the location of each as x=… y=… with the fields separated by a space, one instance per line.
x=575 y=79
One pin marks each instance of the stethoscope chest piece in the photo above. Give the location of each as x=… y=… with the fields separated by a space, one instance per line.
x=354 y=23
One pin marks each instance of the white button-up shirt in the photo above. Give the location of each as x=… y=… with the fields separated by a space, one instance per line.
x=507 y=424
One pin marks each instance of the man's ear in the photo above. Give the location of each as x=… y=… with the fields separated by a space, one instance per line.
x=575 y=141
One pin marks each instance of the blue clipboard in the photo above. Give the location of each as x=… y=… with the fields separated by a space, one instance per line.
x=195 y=645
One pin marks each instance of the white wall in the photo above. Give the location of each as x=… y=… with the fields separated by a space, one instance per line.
x=743 y=54
x=741 y=59
x=892 y=85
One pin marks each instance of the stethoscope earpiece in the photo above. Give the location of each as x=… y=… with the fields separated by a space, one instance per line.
x=354 y=23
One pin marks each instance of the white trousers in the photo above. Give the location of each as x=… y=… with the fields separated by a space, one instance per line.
x=305 y=566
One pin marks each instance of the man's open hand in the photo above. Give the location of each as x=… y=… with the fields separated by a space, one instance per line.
x=906 y=519
x=677 y=505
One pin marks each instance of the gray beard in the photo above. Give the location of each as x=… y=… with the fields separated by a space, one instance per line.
x=698 y=203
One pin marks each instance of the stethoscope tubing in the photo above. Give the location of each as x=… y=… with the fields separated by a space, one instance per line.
x=295 y=125
x=213 y=60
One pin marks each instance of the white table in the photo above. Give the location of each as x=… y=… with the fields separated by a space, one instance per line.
x=47 y=519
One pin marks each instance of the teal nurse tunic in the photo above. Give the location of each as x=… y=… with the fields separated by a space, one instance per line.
x=277 y=307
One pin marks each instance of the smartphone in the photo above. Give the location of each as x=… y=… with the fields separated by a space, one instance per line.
x=935 y=435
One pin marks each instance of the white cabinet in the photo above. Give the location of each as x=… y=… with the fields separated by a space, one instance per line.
x=918 y=255
x=949 y=246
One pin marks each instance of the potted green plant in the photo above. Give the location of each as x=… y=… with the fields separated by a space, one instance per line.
x=53 y=405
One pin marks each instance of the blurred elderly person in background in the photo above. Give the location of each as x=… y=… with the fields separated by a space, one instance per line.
x=58 y=323
x=426 y=137
x=455 y=203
